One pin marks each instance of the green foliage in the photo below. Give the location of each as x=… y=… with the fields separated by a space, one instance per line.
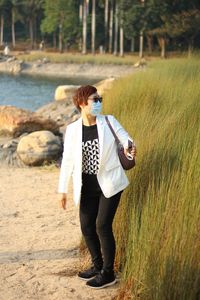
x=31 y=8
x=186 y=23
x=171 y=16
x=64 y=14
x=157 y=224
x=161 y=22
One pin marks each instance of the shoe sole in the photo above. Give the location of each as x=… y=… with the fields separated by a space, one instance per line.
x=86 y=279
x=103 y=286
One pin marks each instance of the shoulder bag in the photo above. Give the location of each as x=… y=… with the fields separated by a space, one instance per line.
x=126 y=163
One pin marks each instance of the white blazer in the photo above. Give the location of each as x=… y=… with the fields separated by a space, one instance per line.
x=111 y=175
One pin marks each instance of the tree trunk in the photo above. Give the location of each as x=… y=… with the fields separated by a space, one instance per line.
x=133 y=44
x=163 y=50
x=2 y=29
x=93 y=25
x=81 y=21
x=60 y=39
x=190 y=47
x=84 y=50
x=162 y=43
x=31 y=32
x=80 y=12
x=149 y=43
x=13 y=28
x=141 y=49
x=111 y=28
x=141 y=54
x=106 y=24
x=54 y=40
x=121 y=52
x=35 y=33
x=116 y=30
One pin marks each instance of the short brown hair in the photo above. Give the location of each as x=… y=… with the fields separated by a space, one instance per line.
x=81 y=95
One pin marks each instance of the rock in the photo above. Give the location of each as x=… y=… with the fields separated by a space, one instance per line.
x=62 y=112
x=39 y=147
x=45 y=60
x=10 y=144
x=140 y=63
x=2 y=57
x=38 y=64
x=10 y=59
x=65 y=92
x=8 y=155
x=104 y=85
x=15 y=121
x=14 y=66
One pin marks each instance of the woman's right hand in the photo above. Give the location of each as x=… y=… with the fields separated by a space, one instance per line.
x=63 y=201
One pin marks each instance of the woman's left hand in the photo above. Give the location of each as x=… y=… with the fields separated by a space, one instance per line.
x=133 y=151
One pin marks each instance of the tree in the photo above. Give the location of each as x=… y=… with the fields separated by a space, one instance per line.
x=93 y=29
x=120 y=23
x=31 y=9
x=15 y=16
x=61 y=17
x=111 y=26
x=116 y=29
x=84 y=29
x=169 y=15
x=2 y=10
x=106 y=10
x=185 y=24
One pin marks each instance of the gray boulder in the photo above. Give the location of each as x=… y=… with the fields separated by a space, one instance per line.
x=39 y=147
x=62 y=112
x=8 y=154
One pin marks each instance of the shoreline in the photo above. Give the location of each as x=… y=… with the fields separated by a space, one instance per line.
x=65 y=70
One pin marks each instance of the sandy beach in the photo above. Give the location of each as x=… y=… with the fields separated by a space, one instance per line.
x=39 y=246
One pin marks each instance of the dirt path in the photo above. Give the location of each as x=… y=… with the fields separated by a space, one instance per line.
x=39 y=254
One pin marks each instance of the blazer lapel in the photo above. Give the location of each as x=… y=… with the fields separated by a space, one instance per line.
x=100 y=128
x=78 y=143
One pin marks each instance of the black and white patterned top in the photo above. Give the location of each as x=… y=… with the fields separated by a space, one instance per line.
x=90 y=150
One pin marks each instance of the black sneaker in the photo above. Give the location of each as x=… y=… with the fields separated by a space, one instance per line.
x=102 y=280
x=89 y=273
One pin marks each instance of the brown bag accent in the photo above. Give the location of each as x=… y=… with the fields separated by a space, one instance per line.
x=126 y=163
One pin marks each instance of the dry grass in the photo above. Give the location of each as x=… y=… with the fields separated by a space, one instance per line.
x=157 y=224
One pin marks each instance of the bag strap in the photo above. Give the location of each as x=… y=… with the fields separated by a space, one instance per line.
x=113 y=132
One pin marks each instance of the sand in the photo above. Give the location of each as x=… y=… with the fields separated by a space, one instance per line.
x=39 y=241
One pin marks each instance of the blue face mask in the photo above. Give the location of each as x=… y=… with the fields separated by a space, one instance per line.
x=96 y=108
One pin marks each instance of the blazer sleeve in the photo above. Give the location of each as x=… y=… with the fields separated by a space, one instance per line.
x=66 y=164
x=121 y=133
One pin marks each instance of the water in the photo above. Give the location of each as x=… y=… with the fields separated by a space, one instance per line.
x=31 y=92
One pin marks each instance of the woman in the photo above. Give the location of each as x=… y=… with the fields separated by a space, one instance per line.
x=90 y=157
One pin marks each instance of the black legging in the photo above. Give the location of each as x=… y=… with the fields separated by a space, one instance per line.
x=96 y=217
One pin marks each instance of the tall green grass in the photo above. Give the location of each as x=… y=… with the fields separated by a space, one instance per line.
x=157 y=224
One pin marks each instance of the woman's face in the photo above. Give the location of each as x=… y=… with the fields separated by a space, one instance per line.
x=86 y=108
